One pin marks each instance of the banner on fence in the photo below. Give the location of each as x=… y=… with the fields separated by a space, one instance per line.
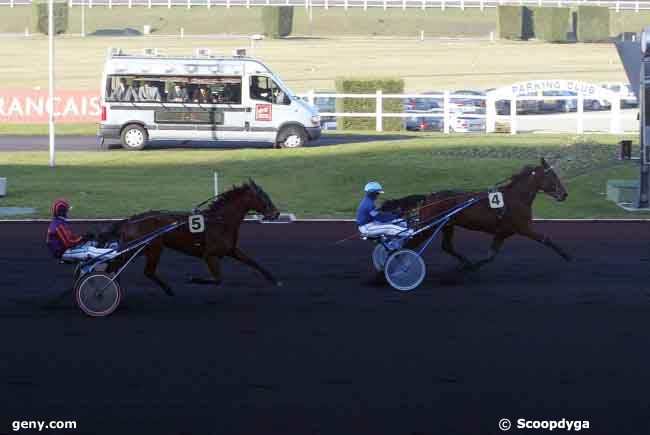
x=33 y=106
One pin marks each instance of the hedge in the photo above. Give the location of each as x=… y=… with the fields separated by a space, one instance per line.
x=358 y=85
x=40 y=17
x=510 y=22
x=593 y=24
x=551 y=24
x=277 y=21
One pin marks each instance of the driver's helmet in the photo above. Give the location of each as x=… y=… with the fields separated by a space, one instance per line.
x=373 y=187
x=60 y=208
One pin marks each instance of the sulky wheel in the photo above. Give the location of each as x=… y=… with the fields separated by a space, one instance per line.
x=96 y=294
x=379 y=255
x=404 y=270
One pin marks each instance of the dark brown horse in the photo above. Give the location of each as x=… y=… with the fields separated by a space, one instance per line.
x=220 y=238
x=514 y=218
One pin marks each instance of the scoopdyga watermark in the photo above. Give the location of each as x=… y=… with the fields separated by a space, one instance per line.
x=545 y=425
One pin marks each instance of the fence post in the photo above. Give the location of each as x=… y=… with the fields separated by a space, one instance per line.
x=365 y=5
x=442 y=5
x=379 y=111
x=580 y=112
x=490 y=113
x=385 y=5
x=345 y=5
x=327 y=5
x=310 y=97
x=462 y=5
x=227 y=4
x=403 y=5
x=11 y=3
x=169 y=4
x=636 y=6
x=539 y=3
x=615 y=121
x=208 y=3
x=90 y=4
x=189 y=4
x=248 y=4
x=513 y=115
x=424 y=5
x=618 y=6
x=130 y=4
x=446 y=108
x=149 y=3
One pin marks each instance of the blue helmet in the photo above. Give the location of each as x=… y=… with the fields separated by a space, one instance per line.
x=373 y=187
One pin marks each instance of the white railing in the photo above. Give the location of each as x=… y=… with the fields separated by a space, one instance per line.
x=616 y=5
x=449 y=111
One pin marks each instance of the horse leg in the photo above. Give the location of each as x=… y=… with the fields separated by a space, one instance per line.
x=239 y=255
x=545 y=240
x=214 y=266
x=495 y=247
x=153 y=257
x=448 y=246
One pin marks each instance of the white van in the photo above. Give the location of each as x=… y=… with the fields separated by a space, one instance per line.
x=207 y=98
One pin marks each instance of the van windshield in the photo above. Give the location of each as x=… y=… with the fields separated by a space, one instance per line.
x=174 y=89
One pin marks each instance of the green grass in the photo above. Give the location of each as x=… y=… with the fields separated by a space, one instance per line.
x=332 y=22
x=315 y=182
x=315 y=63
x=42 y=129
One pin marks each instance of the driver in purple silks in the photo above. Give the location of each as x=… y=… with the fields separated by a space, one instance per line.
x=63 y=243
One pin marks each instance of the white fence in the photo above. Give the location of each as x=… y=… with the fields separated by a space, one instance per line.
x=617 y=5
x=609 y=121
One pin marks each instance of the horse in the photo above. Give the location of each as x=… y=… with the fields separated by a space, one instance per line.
x=514 y=218
x=220 y=238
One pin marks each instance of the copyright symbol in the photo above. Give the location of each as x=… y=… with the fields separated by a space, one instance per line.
x=504 y=424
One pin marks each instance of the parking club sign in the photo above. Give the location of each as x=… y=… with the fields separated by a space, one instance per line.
x=263 y=112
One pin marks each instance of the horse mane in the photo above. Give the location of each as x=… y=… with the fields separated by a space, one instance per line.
x=525 y=171
x=225 y=197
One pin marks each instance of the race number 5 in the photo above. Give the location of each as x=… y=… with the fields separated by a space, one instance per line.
x=197 y=223
x=496 y=199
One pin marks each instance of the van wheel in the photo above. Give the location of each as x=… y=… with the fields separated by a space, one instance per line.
x=292 y=137
x=134 y=137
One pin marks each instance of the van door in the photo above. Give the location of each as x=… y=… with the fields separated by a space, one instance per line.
x=222 y=98
x=270 y=107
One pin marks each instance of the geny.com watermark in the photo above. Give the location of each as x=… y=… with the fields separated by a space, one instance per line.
x=549 y=425
x=42 y=425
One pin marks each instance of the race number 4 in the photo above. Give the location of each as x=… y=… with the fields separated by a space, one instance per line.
x=496 y=199
x=197 y=223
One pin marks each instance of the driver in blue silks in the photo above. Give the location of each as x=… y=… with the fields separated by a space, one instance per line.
x=373 y=222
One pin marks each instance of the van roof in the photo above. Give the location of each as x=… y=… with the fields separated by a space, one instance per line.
x=122 y=63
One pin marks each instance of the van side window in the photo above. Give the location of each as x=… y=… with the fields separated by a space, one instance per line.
x=264 y=89
x=122 y=89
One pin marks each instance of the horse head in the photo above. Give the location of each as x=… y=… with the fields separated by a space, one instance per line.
x=261 y=203
x=549 y=182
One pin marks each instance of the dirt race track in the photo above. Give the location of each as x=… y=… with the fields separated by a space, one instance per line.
x=334 y=351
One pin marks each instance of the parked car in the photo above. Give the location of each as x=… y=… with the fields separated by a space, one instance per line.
x=554 y=105
x=326 y=105
x=523 y=106
x=424 y=122
x=628 y=99
x=467 y=104
x=464 y=123
x=432 y=104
